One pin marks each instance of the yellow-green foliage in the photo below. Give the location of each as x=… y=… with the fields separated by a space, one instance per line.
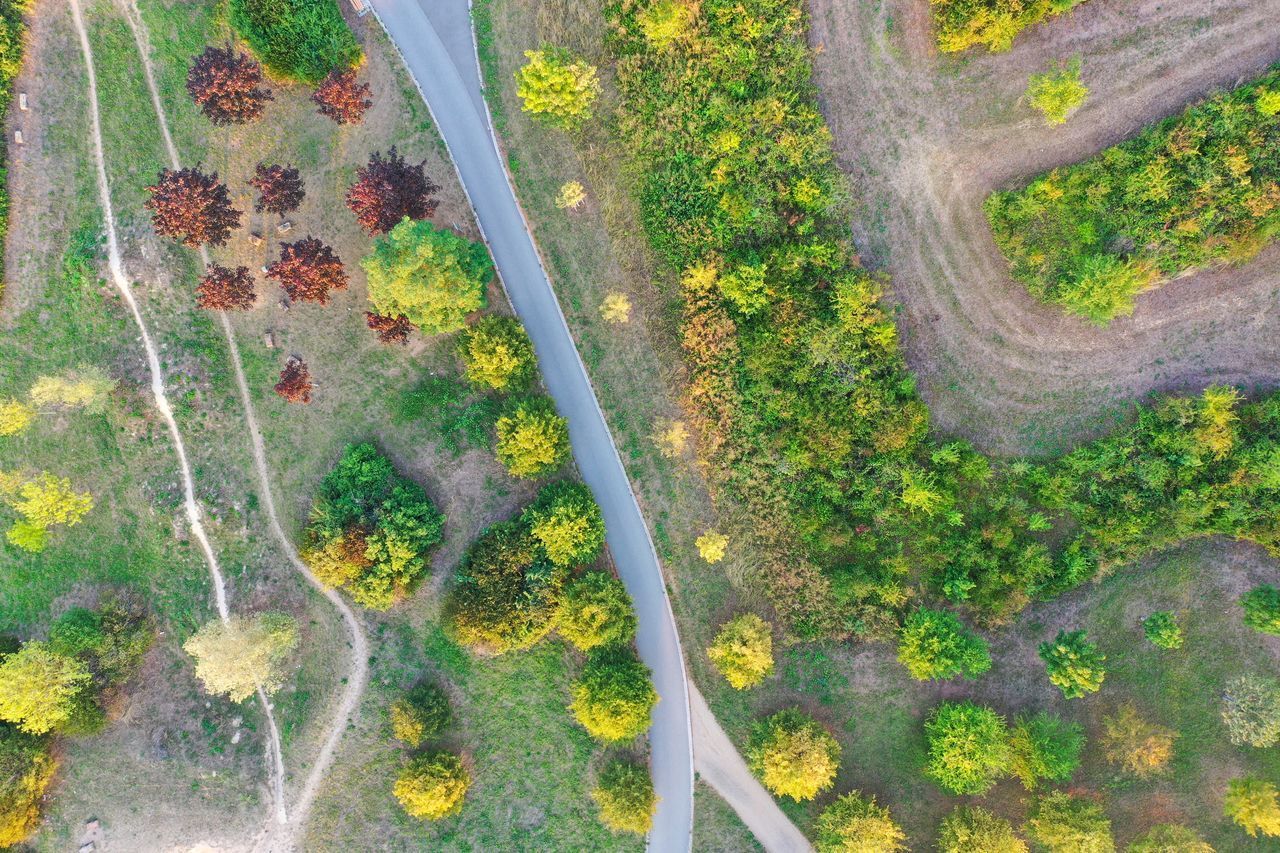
x=567 y=523
x=625 y=797
x=1169 y=838
x=975 y=830
x=38 y=687
x=15 y=416
x=712 y=545
x=968 y=747
x=419 y=715
x=41 y=501
x=613 y=699
x=793 y=755
x=427 y=274
x=532 y=439
x=85 y=388
x=433 y=786
x=498 y=354
x=855 y=824
x=1196 y=189
x=667 y=21
x=571 y=194
x=557 y=87
x=595 y=610
x=236 y=658
x=26 y=769
x=992 y=23
x=1254 y=805
x=1066 y=823
x=1143 y=748
x=743 y=651
x=1074 y=664
x=1056 y=94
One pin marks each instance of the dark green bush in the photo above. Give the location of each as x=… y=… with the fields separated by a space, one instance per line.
x=1262 y=609
x=300 y=40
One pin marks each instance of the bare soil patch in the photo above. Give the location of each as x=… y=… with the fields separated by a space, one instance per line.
x=926 y=138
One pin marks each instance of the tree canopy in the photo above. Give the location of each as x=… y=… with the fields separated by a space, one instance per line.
x=532 y=438
x=613 y=698
x=498 y=354
x=595 y=610
x=557 y=87
x=567 y=522
x=237 y=657
x=855 y=823
x=968 y=747
x=743 y=651
x=625 y=796
x=936 y=644
x=1074 y=664
x=433 y=786
x=38 y=687
x=793 y=755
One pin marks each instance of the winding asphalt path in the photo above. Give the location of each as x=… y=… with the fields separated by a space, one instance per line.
x=442 y=62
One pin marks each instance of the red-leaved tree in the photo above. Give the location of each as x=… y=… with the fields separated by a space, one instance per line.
x=226 y=85
x=192 y=207
x=341 y=98
x=308 y=270
x=295 y=381
x=224 y=289
x=388 y=190
x=279 y=188
x=391 y=330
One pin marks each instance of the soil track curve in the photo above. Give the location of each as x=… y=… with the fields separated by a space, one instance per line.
x=926 y=138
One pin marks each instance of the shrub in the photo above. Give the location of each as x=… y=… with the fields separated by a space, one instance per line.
x=712 y=546
x=1058 y=93
x=26 y=769
x=111 y=641
x=1043 y=746
x=419 y=715
x=613 y=699
x=1262 y=609
x=743 y=651
x=300 y=40
x=595 y=610
x=1161 y=629
x=390 y=330
x=968 y=747
x=294 y=384
x=85 y=387
x=39 y=687
x=1064 y=823
x=15 y=416
x=936 y=644
x=505 y=594
x=429 y=275
x=974 y=830
x=433 y=786
x=1191 y=191
x=341 y=98
x=991 y=23
x=1251 y=711
x=853 y=822
x=571 y=195
x=557 y=87
x=532 y=438
x=371 y=529
x=616 y=309
x=1140 y=747
x=1254 y=806
x=227 y=86
x=793 y=755
x=1169 y=838
x=567 y=523
x=498 y=354
x=1074 y=664
x=244 y=654
x=625 y=796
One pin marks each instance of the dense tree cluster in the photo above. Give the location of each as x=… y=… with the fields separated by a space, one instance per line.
x=227 y=86
x=279 y=188
x=192 y=207
x=793 y=755
x=341 y=98
x=371 y=529
x=308 y=270
x=225 y=289
x=388 y=190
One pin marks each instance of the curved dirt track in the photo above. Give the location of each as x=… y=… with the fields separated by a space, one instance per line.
x=926 y=138
x=286 y=836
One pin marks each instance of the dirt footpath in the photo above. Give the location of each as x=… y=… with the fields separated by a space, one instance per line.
x=926 y=138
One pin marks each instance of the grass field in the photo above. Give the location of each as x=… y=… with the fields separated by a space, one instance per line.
x=168 y=772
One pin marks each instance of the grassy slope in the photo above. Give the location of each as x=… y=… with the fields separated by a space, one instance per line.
x=862 y=694
x=172 y=745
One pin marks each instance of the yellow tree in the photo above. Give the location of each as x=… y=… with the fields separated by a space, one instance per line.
x=1254 y=806
x=557 y=87
x=433 y=786
x=1138 y=746
x=237 y=657
x=532 y=440
x=743 y=651
x=38 y=687
x=498 y=354
x=793 y=755
x=712 y=546
x=15 y=416
x=572 y=194
x=43 y=501
x=616 y=308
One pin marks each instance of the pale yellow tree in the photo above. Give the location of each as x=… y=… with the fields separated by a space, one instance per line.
x=15 y=416
x=712 y=546
x=572 y=194
x=84 y=387
x=616 y=308
x=236 y=657
x=743 y=651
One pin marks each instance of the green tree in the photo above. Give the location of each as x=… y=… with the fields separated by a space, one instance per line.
x=1043 y=746
x=567 y=523
x=533 y=440
x=624 y=793
x=1251 y=710
x=1064 y=823
x=299 y=40
x=429 y=275
x=1140 y=747
x=26 y=770
x=595 y=610
x=968 y=747
x=419 y=715
x=39 y=687
x=557 y=87
x=1057 y=93
x=498 y=354
x=974 y=830
x=1262 y=609
x=936 y=644
x=793 y=755
x=246 y=653
x=613 y=699
x=1074 y=664
x=855 y=823
x=743 y=651
x=1169 y=838
x=43 y=501
x=433 y=786
x=1254 y=806
x=1161 y=629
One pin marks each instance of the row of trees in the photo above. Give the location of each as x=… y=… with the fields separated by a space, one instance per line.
x=434 y=782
